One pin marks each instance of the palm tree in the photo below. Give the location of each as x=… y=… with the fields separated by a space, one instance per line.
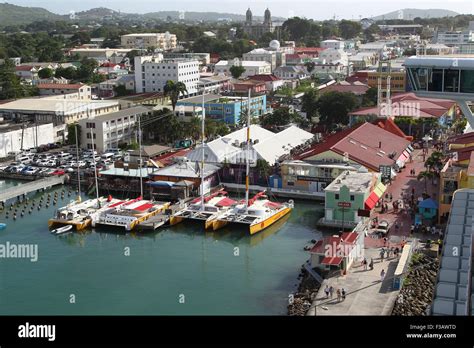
x=425 y=175
x=173 y=90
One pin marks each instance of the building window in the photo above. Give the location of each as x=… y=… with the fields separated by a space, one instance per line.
x=336 y=196
x=352 y=197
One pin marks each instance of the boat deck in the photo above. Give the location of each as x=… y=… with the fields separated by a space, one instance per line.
x=158 y=220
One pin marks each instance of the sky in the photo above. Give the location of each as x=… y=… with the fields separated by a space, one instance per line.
x=316 y=9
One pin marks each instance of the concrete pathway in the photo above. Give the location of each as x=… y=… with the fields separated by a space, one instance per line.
x=366 y=294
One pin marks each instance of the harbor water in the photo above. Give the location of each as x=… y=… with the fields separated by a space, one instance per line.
x=179 y=270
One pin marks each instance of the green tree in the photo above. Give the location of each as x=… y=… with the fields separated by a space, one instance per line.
x=45 y=73
x=71 y=134
x=173 y=90
x=309 y=103
x=425 y=176
x=370 y=97
x=121 y=91
x=334 y=108
x=236 y=71
x=10 y=85
x=349 y=29
x=279 y=117
x=69 y=73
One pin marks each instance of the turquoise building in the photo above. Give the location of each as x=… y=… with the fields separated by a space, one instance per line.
x=347 y=194
x=227 y=109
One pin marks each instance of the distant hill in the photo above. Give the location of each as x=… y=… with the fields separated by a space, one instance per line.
x=12 y=14
x=412 y=13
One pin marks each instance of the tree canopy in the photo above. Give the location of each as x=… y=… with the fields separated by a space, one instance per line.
x=334 y=108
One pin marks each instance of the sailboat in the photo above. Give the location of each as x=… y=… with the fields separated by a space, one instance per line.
x=204 y=208
x=77 y=213
x=255 y=214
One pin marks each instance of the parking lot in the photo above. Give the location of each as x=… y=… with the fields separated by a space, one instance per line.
x=55 y=160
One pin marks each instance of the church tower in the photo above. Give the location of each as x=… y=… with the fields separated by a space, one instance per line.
x=248 y=16
x=267 y=18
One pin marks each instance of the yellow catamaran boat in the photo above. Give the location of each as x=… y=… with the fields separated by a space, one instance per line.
x=258 y=213
x=214 y=205
x=79 y=214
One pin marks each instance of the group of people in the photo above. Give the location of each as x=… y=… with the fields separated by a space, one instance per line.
x=340 y=293
x=368 y=264
x=412 y=172
x=389 y=252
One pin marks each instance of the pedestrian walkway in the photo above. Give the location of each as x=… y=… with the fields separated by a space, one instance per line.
x=400 y=187
x=366 y=294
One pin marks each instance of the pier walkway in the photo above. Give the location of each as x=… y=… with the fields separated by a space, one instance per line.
x=24 y=189
x=366 y=294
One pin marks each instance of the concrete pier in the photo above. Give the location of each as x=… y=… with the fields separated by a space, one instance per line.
x=20 y=191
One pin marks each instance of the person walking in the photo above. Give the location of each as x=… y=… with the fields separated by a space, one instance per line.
x=338 y=292
x=331 y=291
x=326 y=291
x=371 y=264
x=343 y=294
x=382 y=253
x=382 y=275
x=364 y=262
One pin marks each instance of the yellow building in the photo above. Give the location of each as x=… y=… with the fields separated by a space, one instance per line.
x=397 y=80
x=453 y=176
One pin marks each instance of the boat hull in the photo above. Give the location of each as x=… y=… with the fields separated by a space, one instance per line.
x=269 y=221
x=78 y=225
x=218 y=224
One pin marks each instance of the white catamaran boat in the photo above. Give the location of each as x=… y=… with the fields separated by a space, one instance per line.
x=259 y=212
x=214 y=206
x=208 y=208
x=78 y=213
x=129 y=213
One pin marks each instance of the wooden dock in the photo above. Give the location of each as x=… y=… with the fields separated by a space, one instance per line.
x=22 y=190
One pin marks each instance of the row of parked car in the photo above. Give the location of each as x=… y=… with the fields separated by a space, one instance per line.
x=58 y=163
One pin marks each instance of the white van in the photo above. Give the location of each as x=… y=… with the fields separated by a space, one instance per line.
x=109 y=156
x=24 y=160
x=63 y=156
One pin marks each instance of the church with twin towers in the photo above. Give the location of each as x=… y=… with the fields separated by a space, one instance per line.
x=256 y=30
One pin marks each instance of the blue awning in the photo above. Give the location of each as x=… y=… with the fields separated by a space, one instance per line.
x=428 y=204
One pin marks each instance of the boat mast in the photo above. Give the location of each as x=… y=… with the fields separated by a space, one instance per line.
x=77 y=159
x=140 y=153
x=247 y=162
x=95 y=168
x=202 y=147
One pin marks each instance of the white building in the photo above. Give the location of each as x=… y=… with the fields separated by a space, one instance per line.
x=68 y=91
x=251 y=67
x=161 y=41
x=113 y=55
x=452 y=38
x=152 y=73
x=111 y=130
x=291 y=73
x=56 y=110
x=261 y=55
x=34 y=136
x=334 y=44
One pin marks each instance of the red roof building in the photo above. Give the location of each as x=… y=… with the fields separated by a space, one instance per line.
x=357 y=88
x=335 y=251
x=409 y=105
x=309 y=51
x=365 y=144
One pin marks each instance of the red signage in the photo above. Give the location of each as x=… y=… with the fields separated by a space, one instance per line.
x=344 y=204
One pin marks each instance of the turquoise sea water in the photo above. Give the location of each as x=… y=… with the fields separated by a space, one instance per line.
x=164 y=268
